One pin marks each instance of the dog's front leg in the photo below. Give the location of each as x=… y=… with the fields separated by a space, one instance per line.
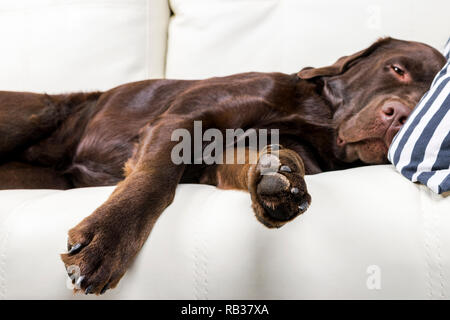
x=103 y=245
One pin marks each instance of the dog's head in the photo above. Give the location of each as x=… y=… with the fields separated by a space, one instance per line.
x=373 y=92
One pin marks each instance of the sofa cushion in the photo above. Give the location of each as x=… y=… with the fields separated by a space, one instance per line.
x=65 y=45
x=364 y=224
x=220 y=37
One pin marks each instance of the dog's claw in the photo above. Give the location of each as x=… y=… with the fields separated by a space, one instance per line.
x=303 y=206
x=78 y=282
x=88 y=289
x=75 y=248
x=104 y=289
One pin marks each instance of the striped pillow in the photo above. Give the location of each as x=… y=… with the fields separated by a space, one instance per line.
x=421 y=149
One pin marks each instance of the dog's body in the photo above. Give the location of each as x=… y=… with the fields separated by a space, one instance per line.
x=329 y=118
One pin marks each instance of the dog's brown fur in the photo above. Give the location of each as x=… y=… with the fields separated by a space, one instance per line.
x=330 y=118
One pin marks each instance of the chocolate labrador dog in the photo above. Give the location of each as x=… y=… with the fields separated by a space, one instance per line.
x=341 y=116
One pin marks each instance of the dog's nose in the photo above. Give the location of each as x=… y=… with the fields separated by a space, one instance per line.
x=394 y=115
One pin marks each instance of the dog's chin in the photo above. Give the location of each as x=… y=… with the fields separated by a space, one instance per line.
x=370 y=151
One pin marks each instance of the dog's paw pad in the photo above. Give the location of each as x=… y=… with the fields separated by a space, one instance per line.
x=273 y=184
x=279 y=194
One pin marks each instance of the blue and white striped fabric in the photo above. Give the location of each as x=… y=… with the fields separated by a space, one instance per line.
x=421 y=149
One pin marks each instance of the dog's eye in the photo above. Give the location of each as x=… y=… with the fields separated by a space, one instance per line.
x=398 y=70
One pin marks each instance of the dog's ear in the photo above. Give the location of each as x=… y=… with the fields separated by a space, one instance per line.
x=340 y=66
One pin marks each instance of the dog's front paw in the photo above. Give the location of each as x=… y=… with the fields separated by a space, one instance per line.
x=278 y=189
x=98 y=255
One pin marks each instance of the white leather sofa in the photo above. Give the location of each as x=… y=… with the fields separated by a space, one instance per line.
x=369 y=234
